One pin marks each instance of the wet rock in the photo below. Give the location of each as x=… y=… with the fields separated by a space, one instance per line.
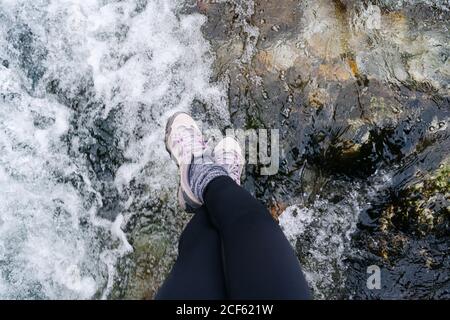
x=414 y=270
x=148 y=263
x=356 y=89
x=31 y=53
x=42 y=122
x=318 y=98
x=423 y=208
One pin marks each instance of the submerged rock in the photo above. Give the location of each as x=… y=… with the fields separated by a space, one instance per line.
x=422 y=208
x=149 y=265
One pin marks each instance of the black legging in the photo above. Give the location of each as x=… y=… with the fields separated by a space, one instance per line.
x=233 y=249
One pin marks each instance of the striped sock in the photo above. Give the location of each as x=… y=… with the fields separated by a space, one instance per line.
x=201 y=172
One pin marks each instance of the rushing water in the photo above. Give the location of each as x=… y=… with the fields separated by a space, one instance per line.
x=87 y=207
x=85 y=89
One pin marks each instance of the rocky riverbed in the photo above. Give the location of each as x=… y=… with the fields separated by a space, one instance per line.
x=360 y=93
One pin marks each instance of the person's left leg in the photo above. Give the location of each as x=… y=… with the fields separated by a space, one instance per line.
x=197 y=272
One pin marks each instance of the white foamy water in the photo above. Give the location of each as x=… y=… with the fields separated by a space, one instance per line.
x=139 y=59
x=42 y=247
x=322 y=232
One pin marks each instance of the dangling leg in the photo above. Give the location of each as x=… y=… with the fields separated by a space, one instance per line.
x=197 y=272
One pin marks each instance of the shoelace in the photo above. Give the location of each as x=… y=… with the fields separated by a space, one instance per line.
x=188 y=143
x=235 y=172
x=232 y=162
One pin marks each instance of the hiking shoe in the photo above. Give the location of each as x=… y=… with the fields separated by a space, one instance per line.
x=228 y=154
x=184 y=142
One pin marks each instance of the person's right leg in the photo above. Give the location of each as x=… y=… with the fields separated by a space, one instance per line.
x=259 y=262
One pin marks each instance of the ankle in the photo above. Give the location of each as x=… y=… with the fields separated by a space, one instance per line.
x=201 y=173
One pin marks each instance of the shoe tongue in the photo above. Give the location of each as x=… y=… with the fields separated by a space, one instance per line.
x=229 y=158
x=203 y=158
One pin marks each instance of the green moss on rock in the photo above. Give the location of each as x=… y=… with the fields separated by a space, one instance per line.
x=423 y=208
